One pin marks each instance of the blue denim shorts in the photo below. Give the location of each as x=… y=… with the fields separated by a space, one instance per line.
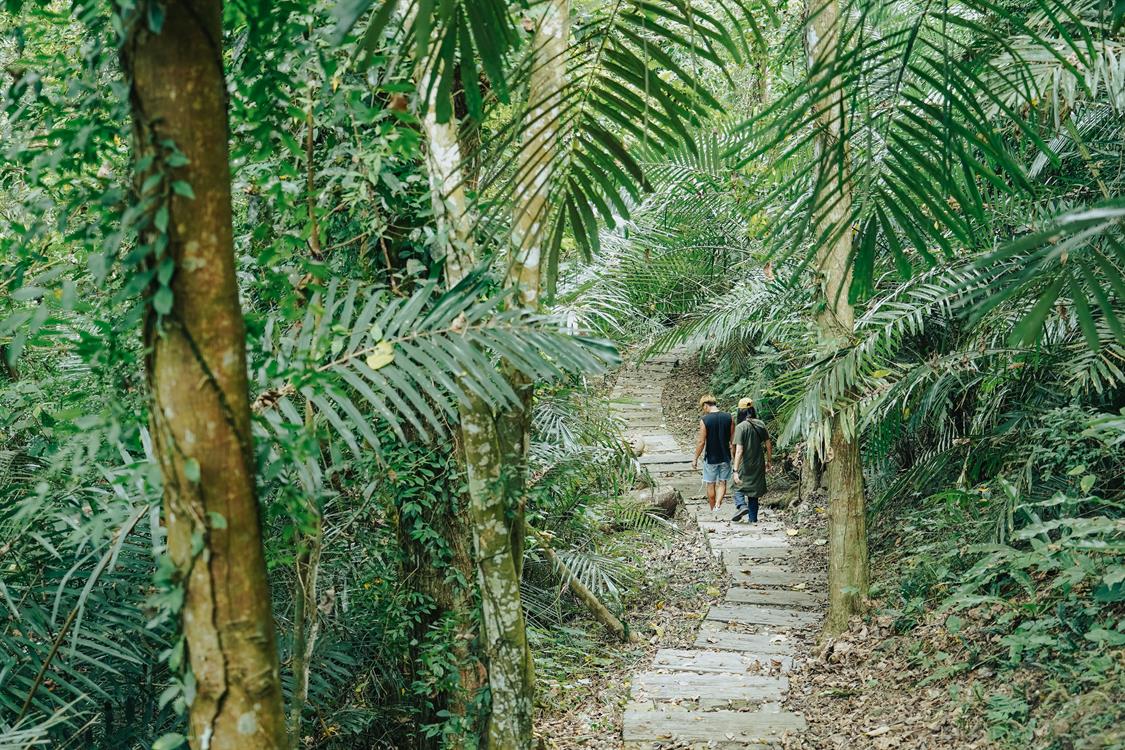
x=716 y=472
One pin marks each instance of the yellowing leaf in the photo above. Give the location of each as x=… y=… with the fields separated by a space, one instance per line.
x=880 y=373
x=381 y=356
x=792 y=532
x=712 y=591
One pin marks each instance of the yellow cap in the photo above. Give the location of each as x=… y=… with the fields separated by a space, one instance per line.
x=745 y=403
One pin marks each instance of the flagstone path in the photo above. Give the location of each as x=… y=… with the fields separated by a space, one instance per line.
x=727 y=691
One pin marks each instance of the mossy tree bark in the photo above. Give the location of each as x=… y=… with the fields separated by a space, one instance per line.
x=538 y=157
x=511 y=675
x=847 y=534
x=447 y=580
x=495 y=441
x=197 y=372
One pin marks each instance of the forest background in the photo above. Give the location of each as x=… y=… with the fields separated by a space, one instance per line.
x=900 y=233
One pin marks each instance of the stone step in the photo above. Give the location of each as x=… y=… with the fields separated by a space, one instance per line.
x=724 y=513
x=666 y=458
x=747 y=556
x=720 y=637
x=761 y=574
x=710 y=688
x=647 y=727
x=663 y=475
x=722 y=662
x=776 y=597
x=733 y=540
x=753 y=614
x=650 y=447
x=652 y=437
x=635 y=403
x=634 y=382
x=724 y=526
x=669 y=467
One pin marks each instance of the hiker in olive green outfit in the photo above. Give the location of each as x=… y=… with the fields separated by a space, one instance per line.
x=753 y=451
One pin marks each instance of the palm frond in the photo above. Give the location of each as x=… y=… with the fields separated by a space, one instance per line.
x=410 y=361
x=452 y=42
x=627 y=89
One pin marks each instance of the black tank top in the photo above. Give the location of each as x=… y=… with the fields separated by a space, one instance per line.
x=718 y=424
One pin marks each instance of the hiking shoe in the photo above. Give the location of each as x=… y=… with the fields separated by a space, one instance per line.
x=742 y=513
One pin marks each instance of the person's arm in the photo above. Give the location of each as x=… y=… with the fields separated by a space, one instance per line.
x=730 y=447
x=737 y=462
x=700 y=444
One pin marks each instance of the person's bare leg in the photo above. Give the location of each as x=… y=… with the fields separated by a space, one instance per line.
x=720 y=494
x=711 y=494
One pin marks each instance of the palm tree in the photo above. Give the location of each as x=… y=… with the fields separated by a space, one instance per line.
x=847 y=535
x=568 y=164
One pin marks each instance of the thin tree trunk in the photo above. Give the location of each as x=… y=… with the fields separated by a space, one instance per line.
x=511 y=676
x=495 y=444
x=812 y=473
x=450 y=201
x=306 y=622
x=306 y=567
x=197 y=372
x=529 y=233
x=432 y=573
x=538 y=153
x=847 y=535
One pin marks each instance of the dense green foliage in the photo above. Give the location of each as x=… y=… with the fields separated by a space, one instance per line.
x=985 y=378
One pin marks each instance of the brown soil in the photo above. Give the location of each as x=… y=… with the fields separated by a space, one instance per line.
x=681 y=398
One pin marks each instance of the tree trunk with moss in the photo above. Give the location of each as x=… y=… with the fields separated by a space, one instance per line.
x=511 y=675
x=495 y=440
x=444 y=573
x=200 y=416
x=847 y=535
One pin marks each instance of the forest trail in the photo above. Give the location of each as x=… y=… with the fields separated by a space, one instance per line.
x=727 y=691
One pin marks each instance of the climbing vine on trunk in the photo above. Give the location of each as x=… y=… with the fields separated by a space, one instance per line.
x=196 y=366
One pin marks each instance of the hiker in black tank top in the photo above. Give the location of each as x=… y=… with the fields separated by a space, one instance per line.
x=713 y=443
x=717 y=448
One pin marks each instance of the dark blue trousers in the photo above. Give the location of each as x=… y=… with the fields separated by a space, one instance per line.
x=750 y=503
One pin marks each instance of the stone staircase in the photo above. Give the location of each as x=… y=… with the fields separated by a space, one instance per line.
x=727 y=691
